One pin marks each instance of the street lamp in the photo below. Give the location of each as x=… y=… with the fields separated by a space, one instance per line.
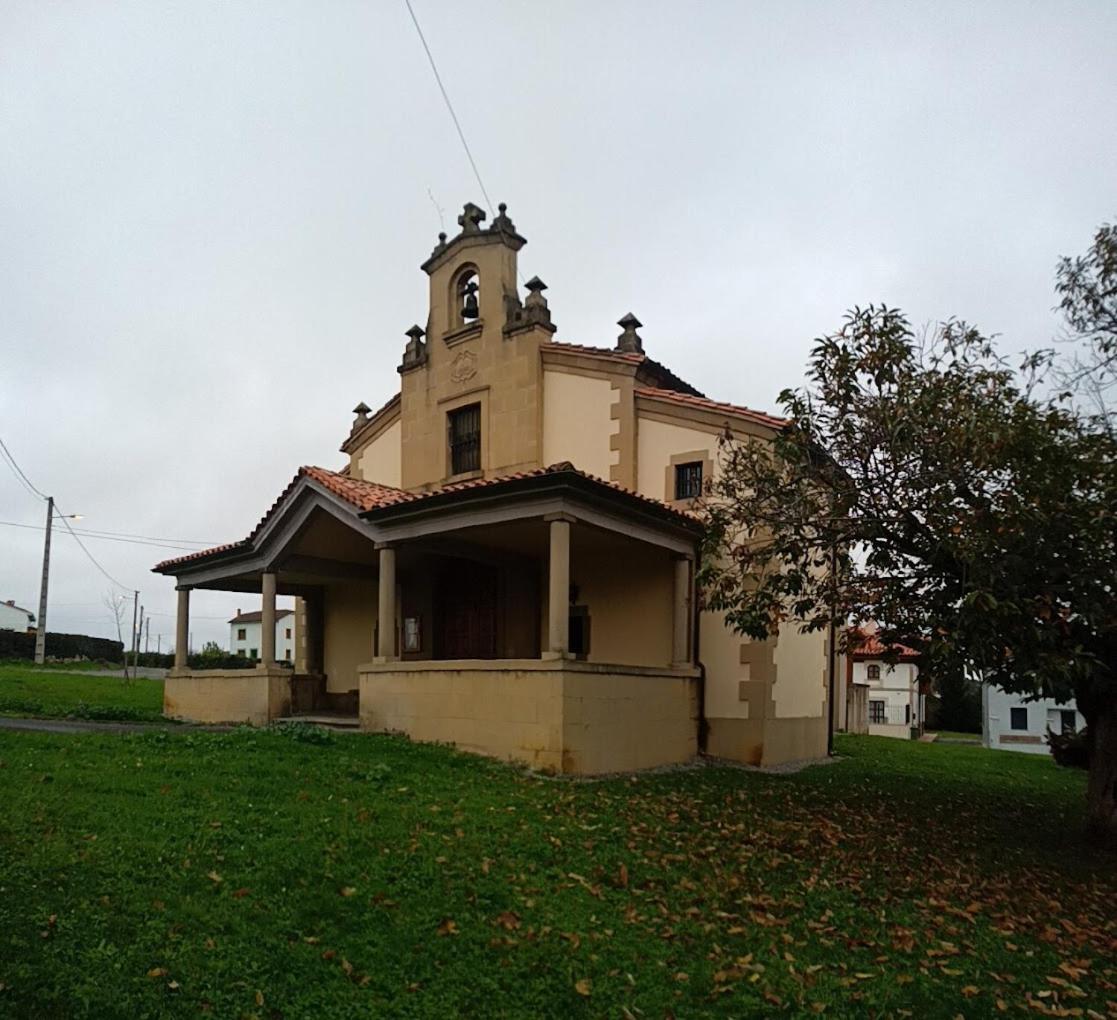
x=41 y=631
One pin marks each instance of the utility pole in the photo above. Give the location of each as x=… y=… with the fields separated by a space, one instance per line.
x=135 y=612
x=147 y=635
x=158 y=644
x=41 y=629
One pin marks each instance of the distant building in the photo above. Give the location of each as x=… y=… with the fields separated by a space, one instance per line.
x=884 y=698
x=13 y=617
x=1009 y=723
x=244 y=634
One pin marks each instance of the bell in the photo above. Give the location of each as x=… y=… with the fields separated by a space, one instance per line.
x=469 y=307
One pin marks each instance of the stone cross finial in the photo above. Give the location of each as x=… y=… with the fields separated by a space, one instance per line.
x=629 y=341
x=471 y=218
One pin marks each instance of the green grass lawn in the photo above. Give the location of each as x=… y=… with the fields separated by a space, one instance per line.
x=276 y=874
x=36 y=691
x=972 y=738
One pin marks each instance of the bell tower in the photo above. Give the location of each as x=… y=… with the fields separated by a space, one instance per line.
x=472 y=380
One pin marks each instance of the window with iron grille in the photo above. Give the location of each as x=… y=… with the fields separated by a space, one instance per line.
x=464 y=428
x=876 y=712
x=688 y=480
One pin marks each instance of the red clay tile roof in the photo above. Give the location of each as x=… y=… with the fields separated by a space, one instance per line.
x=870 y=646
x=368 y=496
x=256 y=616
x=711 y=405
x=360 y=494
x=563 y=467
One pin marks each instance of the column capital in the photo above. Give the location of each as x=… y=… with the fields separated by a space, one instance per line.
x=559 y=516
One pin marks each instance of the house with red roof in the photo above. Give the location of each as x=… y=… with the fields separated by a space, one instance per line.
x=506 y=559
x=884 y=694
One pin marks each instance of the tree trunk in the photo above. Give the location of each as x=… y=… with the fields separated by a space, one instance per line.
x=1101 y=790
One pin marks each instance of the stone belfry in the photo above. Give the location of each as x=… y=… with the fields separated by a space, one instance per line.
x=478 y=355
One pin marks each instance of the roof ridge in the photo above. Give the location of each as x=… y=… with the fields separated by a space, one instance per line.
x=721 y=405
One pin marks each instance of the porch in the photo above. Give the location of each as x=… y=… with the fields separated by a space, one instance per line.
x=546 y=618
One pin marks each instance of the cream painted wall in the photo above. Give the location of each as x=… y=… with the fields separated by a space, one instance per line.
x=720 y=650
x=578 y=421
x=800 y=687
x=349 y=622
x=630 y=595
x=656 y=443
x=380 y=460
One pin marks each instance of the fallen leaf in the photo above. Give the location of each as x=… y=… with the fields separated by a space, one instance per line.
x=583 y=987
x=448 y=927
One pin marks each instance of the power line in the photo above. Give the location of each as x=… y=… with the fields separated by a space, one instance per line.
x=18 y=472
x=105 y=537
x=92 y=558
x=449 y=105
x=97 y=532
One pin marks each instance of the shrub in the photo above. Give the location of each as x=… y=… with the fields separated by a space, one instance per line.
x=14 y=645
x=1071 y=750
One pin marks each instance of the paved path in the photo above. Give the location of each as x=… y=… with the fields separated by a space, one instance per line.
x=89 y=726
x=145 y=672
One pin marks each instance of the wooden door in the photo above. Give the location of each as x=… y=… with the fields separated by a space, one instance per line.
x=466 y=611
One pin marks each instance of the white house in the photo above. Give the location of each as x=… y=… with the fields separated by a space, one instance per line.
x=244 y=634
x=1009 y=723
x=884 y=697
x=13 y=617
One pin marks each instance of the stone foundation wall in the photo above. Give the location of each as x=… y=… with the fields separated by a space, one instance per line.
x=561 y=715
x=253 y=696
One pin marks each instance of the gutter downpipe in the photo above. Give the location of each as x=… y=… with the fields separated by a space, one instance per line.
x=832 y=664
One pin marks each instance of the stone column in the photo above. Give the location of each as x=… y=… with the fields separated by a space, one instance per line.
x=386 y=612
x=558 y=603
x=267 y=621
x=182 y=628
x=680 y=655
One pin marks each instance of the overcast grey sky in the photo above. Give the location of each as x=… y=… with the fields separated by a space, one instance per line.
x=212 y=217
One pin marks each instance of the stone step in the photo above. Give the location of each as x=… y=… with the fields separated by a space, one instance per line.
x=330 y=720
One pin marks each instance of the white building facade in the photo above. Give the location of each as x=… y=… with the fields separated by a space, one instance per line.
x=244 y=635
x=13 y=617
x=1009 y=723
x=895 y=705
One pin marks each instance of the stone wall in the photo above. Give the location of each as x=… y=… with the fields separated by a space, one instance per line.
x=253 y=696
x=559 y=715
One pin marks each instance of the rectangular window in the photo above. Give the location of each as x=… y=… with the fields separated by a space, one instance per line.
x=242 y=633
x=252 y=653
x=240 y=652
x=873 y=671
x=876 y=712
x=1019 y=718
x=464 y=428
x=412 y=634
x=688 y=480
x=288 y=633
x=1068 y=721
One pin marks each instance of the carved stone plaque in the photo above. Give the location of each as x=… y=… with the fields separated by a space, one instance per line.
x=463 y=367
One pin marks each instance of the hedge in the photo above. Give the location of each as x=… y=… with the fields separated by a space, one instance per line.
x=16 y=645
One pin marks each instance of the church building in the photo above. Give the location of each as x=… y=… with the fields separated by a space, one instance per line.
x=506 y=561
